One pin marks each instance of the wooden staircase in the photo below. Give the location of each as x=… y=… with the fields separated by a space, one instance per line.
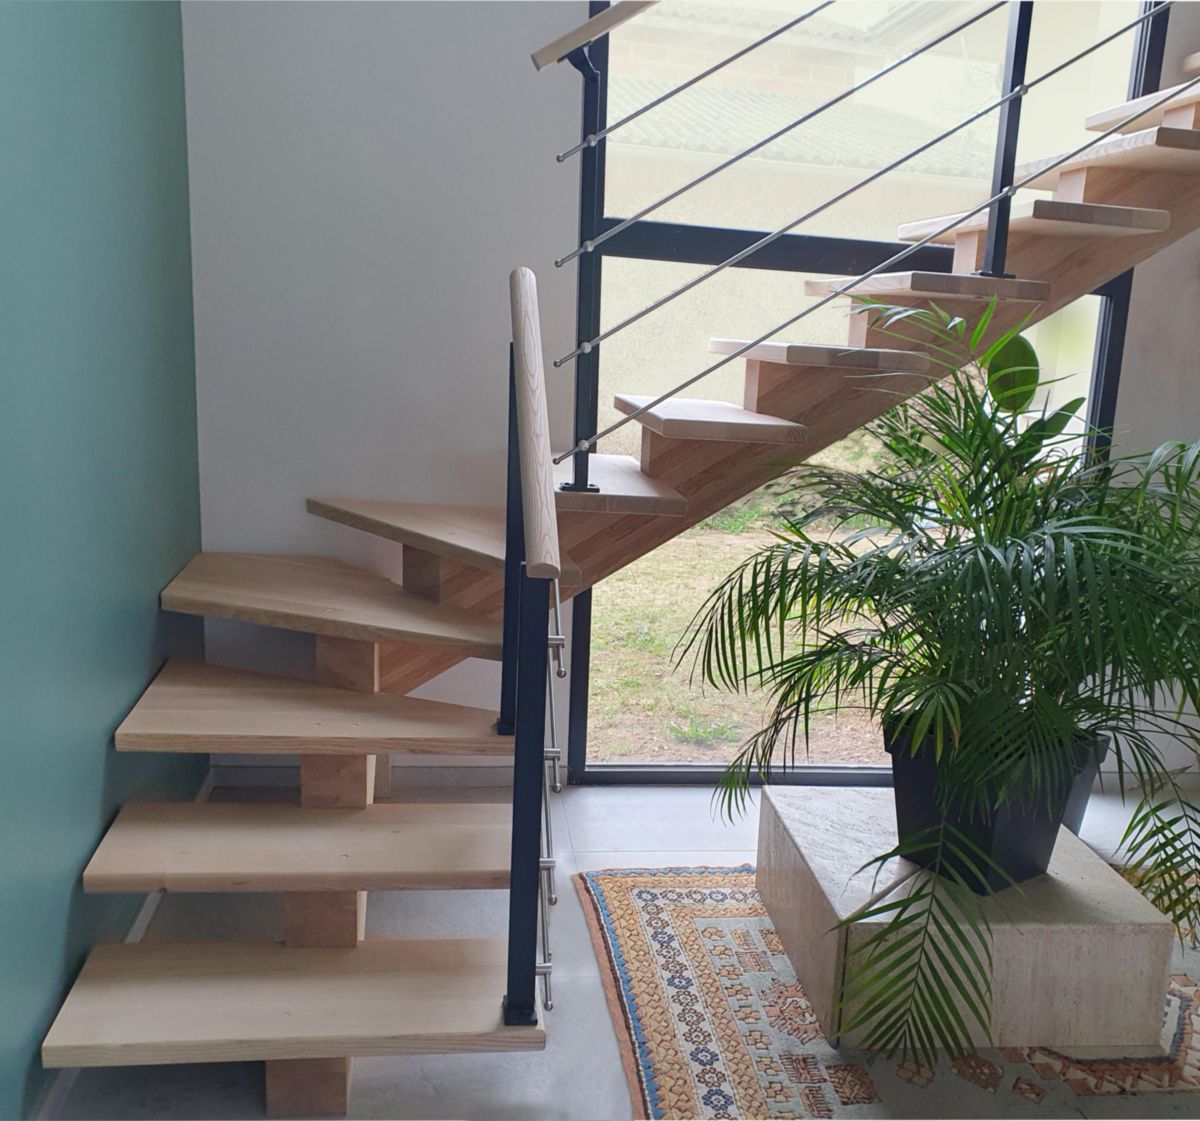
x=308 y=1005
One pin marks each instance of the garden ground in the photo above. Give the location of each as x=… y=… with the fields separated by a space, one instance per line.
x=643 y=708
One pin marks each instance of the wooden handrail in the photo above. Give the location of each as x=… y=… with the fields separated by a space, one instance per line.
x=588 y=32
x=533 y=430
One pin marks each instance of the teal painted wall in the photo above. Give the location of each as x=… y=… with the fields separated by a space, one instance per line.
x=99 y=502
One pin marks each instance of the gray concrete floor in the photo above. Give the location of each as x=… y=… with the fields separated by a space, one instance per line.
x=578 y=1077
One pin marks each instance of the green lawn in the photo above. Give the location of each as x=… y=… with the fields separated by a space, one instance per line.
x=643 y=708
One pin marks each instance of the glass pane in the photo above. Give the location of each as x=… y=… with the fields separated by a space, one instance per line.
x=780 y=82
x=1066 y=344
x=643 y=709
x=1053 y=113
x=671 y=344
x=776 y=84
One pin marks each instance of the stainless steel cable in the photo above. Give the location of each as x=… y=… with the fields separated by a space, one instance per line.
x=594 y=138
x=589 y=245
x=585 y=445
x=587 y=346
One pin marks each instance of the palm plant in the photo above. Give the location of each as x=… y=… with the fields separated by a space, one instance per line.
x=996 y=591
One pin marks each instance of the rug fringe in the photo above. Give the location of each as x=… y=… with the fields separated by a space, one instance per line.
x=616 y=1002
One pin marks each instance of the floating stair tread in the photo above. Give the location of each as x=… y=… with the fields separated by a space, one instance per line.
x=162 y=1002
x=935 y=285
x=1174 y=150
x=1054 y=218
x=1110 y=118
x=686 y=418
x=323 y=596
x=191 y=706
x=624 y=488
x=211 y=846
x=472 y=534
x=839 y=357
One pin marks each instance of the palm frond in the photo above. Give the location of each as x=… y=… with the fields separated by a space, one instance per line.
x=1162 y=844
x=994 y=587
x=919 y=964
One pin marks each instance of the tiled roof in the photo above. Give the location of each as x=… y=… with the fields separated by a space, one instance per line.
x=854 y=135
x=871 y=28
x=756 y=21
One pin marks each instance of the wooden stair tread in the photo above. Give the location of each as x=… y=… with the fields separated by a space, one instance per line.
x=935 y=285
x=840 y=357
x=1110 y=118
x=323 y=596
x=1172 y=150
x=473 y=534
x=163 y=1002
x=191 y=706
x=624 y=488
x=687 y=418
x=1054 y=218
x=210 y=846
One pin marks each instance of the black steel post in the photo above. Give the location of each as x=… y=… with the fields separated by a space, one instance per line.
x=514 y=558
x=1145 y=77
x=1106 y=365
x=591 y=214
x=581 y=674
x=1015 y=55
x=520 y=999
x=1146 y=73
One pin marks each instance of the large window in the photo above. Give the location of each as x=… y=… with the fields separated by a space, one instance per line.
x=641 y=708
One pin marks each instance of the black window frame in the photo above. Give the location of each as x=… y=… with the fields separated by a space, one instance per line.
x=710 y=245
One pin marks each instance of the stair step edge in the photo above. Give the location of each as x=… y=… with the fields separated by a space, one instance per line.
x=247 y=846
x=473 y=535
x=688 y=418
x=142 y=1003
x=919 y=285
x=321 y=595
x=1160 y=149
x=849 y=358
x=192 y=706
x=623 y=489
x=1052 y=217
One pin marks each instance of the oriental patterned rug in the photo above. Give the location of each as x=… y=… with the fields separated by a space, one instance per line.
x=713 y=1023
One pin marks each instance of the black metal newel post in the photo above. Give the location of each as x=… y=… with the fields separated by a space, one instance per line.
x=591 y=204
x=520 y=1000
x=514 y=558
x=1016 y=53
x=526 y=661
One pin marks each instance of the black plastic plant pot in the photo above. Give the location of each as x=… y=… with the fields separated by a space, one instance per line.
x=1018 y=838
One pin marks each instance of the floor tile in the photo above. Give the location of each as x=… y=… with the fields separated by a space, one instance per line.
x=654 y=818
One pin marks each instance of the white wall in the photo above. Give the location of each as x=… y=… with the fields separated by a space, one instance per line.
x=363 y=179
x=1159 y=396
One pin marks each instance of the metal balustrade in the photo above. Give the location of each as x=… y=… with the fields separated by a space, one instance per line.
x=594 y=138
x=531 y=571
x=592 y=244
x=1017 y=90
x=884 y=266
